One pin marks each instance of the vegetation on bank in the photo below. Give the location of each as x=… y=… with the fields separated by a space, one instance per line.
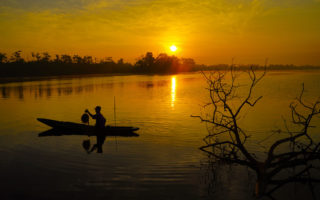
x=43 y=64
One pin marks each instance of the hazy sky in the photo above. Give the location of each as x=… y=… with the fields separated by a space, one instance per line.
x=210 y=31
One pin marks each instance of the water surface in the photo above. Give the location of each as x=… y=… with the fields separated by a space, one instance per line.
x=164 y=162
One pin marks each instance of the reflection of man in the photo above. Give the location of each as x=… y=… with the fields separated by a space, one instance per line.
x=100 y=120
x=98 y=146
x=100 y=124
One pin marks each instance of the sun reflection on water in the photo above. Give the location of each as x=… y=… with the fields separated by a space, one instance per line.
x=173 y=91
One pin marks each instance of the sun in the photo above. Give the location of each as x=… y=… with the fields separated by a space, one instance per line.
x=173 y=48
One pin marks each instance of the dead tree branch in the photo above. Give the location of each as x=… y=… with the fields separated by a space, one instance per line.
x=227 y=141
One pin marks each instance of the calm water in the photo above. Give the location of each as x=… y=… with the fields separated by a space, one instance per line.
x=162 y=163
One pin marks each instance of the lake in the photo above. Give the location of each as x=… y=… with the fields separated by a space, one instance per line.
x=164 y=162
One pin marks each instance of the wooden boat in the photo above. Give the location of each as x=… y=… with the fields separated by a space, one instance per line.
x=71 y=128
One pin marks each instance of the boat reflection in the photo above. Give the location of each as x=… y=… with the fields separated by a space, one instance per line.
x=86 y=144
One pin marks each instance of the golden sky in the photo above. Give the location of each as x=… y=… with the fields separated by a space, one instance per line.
x=210 y=31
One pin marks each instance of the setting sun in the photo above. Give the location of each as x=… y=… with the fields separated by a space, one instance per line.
x=173 y=48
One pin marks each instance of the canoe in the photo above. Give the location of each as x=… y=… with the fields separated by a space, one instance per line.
x=71 y=128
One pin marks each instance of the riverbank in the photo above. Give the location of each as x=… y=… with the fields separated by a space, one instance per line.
x=13 y=79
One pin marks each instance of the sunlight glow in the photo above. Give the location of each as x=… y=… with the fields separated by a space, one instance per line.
x=173 y=48
x=173 y=91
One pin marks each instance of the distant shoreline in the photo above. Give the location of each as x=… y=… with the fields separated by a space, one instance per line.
x=43 y=66
x=17 y=79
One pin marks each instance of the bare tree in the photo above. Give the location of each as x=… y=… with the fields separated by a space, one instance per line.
x=297 y=150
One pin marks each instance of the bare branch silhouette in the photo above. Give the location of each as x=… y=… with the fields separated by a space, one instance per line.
x=227 y=141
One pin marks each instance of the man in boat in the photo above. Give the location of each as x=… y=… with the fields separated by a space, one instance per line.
x=100 y=120
x=100 y=124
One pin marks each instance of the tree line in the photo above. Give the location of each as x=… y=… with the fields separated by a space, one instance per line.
x=64 y=64
x=44 y=64
x=46 y=58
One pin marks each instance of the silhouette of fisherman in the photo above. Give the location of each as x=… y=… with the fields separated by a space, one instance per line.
x=99 y=126
x=100 y=120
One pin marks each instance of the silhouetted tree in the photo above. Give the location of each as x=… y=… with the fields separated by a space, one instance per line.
x=77 y=59
x=36 y=56
x=16 y=57
x=3 y=58
x=45 y=57
x=120 y=61
x=227 y=141
x=167 y=64
x=107 y=60
x=66 y=58
x=187 y=64
x=149 y=60
x=163 y=63
x=87 y=59
x=145 y=63
x=57 y=59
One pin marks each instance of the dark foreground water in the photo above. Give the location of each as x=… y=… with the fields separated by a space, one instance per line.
x=164 y=162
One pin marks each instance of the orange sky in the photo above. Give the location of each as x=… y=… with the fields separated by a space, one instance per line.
x=210 y=31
